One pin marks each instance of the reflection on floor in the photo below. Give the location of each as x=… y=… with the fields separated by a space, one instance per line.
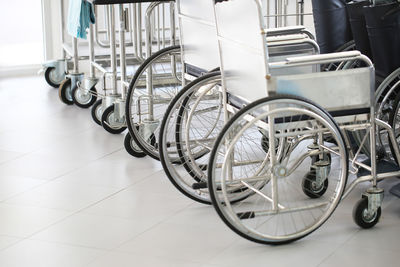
x=71 y=196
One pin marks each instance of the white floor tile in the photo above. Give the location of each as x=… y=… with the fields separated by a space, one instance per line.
x=29 y=253
x=13 y=185
x=39 y=166
x=21 y=221
x=23 y=142
x=307 y=253
x=82 y=200
x=158 y=183
x=384 y=236
x=356 y=256
x=90 y=144
x=63 y=195
x=6 y=241
x=117 y=174
x=93 y=231
x=134 y=259
x=140 y=205
x=178 y=241
x=8 y=155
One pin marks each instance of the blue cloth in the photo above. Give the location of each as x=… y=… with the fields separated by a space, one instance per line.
x=80 y=15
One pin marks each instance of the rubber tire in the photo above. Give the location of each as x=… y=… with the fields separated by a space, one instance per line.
x=187 y=167
x=162 y=130
x=95 y=106
x=306 y=185
x=358 y=211
x=93 y=98
x=106 y=113
x=215 y=150
x=62 y=92
x=47 y=74
x=131 y=150
x=392 y=117
x=138 y=72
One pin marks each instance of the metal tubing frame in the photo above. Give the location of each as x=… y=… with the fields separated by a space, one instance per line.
x=113 y=52
x=91 y=52
x=75 y=59
x=122 y=57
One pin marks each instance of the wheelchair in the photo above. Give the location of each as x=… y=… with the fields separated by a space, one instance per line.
x=195 y=116
x=280 y=165
x=163 y=75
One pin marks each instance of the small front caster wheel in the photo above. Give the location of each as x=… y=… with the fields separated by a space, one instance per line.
x=64 y=92
x=97 y=111
x=52 y=78
x=109 y=122
x=82 y=98
x=310 y=186
x=362 y=217
x=132 y=148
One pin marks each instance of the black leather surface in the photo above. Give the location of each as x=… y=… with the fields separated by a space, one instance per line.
x=358 y=26
x=383 y=25
x=331 y=24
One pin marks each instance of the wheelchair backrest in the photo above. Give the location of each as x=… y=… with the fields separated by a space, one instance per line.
x=198 y=35
x=248 y=71
x=242 y=50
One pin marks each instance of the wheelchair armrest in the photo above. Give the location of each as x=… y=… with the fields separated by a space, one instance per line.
x=288 y=31
x=290 y=37
x=321 y=59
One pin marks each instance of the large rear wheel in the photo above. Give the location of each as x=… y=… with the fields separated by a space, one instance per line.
x=278 y=211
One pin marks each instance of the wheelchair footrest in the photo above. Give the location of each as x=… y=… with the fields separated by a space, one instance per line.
x=395 y=190
x=246 y=215
x=201 y=185
x=382 y=166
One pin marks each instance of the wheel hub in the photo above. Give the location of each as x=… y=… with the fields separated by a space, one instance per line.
x=83 y=96
x=280 y=171
x=369 y=216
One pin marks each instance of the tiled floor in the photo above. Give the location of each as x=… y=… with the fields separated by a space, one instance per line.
x=71 y=196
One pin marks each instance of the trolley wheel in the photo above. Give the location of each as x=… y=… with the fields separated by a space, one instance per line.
x=132 y=148
x=50 y=79
x=107 y=121
x=327 y=157
x=97 y=111
x=64 y=92
x=361 y=216
x=310 y=187
x=84 y=99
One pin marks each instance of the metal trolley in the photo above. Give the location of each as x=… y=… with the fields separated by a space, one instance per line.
x=279 y=167
x=109 y=110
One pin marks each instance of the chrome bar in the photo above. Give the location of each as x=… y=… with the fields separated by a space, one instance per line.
x=75 y=59
x=113 y=51
x=287 y=210
x=122 y=57
x=258 y=192
x=91 y=51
